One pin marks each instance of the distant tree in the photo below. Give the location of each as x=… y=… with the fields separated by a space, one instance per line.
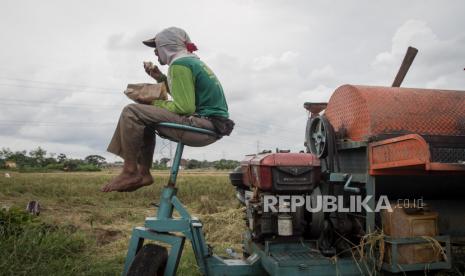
x=224 y=164
x=38 y=156
x=95 y=160
x=206 y=164
x=193 y=164
x=20 y=158
x=61 y=158
x=164 y=161
x=49 y=160
x=157 y=165
x=5 y=153
x=72 y=164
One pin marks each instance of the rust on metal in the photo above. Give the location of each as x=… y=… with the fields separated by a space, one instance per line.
x=404 y=151
x=315 y=108
x=365 y=112
x=405 y=154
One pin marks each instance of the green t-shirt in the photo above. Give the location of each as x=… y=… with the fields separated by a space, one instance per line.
x=194 y=89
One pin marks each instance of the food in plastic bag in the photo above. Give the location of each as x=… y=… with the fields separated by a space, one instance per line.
x=146 y=92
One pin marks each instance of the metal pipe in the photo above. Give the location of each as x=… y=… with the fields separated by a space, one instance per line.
x=165 y=210
x=405 y=66
x=175 y=165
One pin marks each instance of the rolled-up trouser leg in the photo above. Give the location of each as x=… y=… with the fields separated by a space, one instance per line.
x=128 y=137
x=134 y=137
x=145 y=157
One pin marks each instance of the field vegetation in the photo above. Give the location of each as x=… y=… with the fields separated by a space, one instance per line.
x=81 y=231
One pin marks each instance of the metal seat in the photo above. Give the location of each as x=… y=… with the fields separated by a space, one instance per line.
x=188 y=128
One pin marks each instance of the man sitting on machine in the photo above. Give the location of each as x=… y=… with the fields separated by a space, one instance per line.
x=197 y=100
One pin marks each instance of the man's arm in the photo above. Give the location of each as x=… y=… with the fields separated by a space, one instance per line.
x=153 y=71
x=182 y=91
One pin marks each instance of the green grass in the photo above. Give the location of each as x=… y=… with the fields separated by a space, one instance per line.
x=92 y=229
x=32 y=247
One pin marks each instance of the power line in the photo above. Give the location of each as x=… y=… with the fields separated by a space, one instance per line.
x=244 y=126
x=73 y=126
x=57 y=123
x=10 y=101
x=17 y=123
x=56 y=88
x=57 y=83
x=20 y=102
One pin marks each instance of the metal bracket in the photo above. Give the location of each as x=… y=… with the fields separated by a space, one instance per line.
x=348 y=178
x=347 y=188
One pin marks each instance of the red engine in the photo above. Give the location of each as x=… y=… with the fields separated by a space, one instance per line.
x=281 y=172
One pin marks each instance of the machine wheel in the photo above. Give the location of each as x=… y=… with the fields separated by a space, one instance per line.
x=316 y=136
x=149 y=261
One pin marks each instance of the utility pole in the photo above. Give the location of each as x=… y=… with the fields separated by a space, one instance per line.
x=162 y=147
x=258 y=146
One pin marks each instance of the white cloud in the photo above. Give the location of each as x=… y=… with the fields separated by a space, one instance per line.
x=323 y=74
x=272 y=62
x=438 y=63
x=321 y=93
x=412 y=33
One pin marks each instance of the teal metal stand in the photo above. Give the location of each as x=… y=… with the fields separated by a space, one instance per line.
x=443 y=262
x=161 y=227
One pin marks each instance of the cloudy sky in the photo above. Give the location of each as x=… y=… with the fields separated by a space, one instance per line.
x=64 y=64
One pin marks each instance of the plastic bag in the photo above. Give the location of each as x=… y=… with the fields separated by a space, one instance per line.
x=146 y=92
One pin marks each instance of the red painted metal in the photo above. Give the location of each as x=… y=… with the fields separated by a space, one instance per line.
x=315 y=108
x=257 y=168
x=245 y=167
x=408 y=154
x=362 y=112
x=403 y=151
x=285 y=159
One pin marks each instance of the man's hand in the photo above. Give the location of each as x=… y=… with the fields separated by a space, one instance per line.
x=153 y=71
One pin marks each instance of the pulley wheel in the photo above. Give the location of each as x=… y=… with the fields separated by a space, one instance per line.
x=316 y=136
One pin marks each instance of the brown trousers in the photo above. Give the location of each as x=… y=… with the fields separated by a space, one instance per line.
x=134 y=137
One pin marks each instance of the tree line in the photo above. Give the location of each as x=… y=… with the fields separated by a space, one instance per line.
x=222 y=164
x=38 y=160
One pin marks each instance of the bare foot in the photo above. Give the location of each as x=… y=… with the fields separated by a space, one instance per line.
x=147 y=180
x=123 y=182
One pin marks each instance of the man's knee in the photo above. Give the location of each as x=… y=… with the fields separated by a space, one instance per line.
x=128 y=112
x=130 y=108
